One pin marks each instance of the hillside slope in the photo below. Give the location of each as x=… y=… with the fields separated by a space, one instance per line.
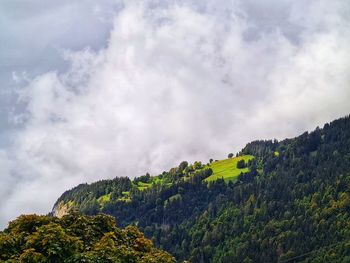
x=292 y=199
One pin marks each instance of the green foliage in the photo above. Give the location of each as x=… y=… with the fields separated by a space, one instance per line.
x=75 y=238
x=296 y=202
x=241 y=164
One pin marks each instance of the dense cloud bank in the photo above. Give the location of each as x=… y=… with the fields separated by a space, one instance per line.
x=174 y=80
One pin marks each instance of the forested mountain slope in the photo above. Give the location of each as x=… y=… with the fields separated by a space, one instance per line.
x=292 y=199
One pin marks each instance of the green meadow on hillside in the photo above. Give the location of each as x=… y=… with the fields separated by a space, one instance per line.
x=153 y=181
x=227 y=169
x=104 y=198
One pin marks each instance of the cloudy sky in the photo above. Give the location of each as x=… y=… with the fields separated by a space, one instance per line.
x=98 y=89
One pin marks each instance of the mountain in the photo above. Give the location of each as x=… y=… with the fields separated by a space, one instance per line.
x=276 y=201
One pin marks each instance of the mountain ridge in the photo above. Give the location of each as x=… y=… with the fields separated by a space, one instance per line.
x=294 y=198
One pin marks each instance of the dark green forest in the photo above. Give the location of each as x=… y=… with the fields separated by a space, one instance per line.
x=295 y=199
x=293 y=204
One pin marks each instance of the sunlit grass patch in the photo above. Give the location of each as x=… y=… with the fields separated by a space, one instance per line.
x=227 y=169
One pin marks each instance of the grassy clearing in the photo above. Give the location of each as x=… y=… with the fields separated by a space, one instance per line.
x=154 y=180
x=142 y=186
x=104 y=199
x=227 y=169
x=125 y=197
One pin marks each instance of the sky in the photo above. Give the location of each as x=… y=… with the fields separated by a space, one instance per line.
x=92 y=90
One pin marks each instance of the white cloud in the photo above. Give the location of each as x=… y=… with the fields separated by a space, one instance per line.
x=177 y=81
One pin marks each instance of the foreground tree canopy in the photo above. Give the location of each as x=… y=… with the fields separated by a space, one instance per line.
x=75 y=238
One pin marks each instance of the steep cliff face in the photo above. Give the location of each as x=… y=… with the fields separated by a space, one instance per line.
x=62 y=209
